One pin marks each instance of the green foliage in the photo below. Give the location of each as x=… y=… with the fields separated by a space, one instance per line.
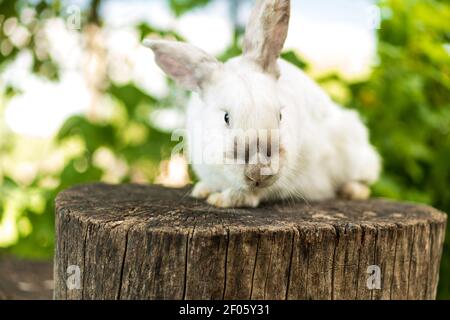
x=11 y=14
x=94 y=135
x=183 y=6
x=146 y=29
x=293 y=58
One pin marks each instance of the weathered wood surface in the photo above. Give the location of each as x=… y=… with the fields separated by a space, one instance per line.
x=147 y=242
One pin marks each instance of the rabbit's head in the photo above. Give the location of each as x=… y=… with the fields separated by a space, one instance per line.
x=239 y=97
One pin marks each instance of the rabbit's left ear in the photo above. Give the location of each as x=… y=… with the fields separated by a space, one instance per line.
x=266 y=33
x=190 y=66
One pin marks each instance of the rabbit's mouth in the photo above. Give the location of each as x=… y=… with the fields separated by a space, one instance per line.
x=261 y=182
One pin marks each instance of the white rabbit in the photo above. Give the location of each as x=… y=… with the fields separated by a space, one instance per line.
x=323 y=149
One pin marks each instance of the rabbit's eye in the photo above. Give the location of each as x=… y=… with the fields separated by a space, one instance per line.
x=281 y=117
x=227 y=118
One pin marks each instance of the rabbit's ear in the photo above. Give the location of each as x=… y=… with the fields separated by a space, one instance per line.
x=186 y=64
x=266 y=33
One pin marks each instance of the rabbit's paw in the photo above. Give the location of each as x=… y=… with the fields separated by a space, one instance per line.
x=233 y=199
x=201 y=191
x=354 y=191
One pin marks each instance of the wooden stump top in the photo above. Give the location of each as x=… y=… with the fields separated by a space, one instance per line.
x=148 y=242
x=170 y=209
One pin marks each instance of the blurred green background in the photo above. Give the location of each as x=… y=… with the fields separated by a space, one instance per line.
x=123 y=135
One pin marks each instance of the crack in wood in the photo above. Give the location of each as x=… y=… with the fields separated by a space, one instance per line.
x=290 y=265
x=83 y=272
x=254 y=266
x=393 y=264
x=123 y=263
x=269 y=265
x=189 y=237
x=410 y=260
x=363 y=232
x=336 y=228
x=375 y=251
x=225 y=267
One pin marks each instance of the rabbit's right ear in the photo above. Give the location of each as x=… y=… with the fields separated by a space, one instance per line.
x=266 y=33
x=186 y=64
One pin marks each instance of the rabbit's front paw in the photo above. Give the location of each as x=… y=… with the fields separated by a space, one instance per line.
x=233 y=199
x=355 y=191
x=201 y=191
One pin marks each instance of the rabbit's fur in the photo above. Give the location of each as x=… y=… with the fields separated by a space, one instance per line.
x=323 y=150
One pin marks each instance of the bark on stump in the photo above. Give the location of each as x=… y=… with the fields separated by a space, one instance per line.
x=147 y=242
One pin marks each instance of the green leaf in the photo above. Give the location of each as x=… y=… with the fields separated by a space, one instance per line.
x=145 y=30
x=180 y=7
x=293 y=58
x=94 y=135
x=131 y=97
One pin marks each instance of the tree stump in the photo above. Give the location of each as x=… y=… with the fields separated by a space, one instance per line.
x=148 y=242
